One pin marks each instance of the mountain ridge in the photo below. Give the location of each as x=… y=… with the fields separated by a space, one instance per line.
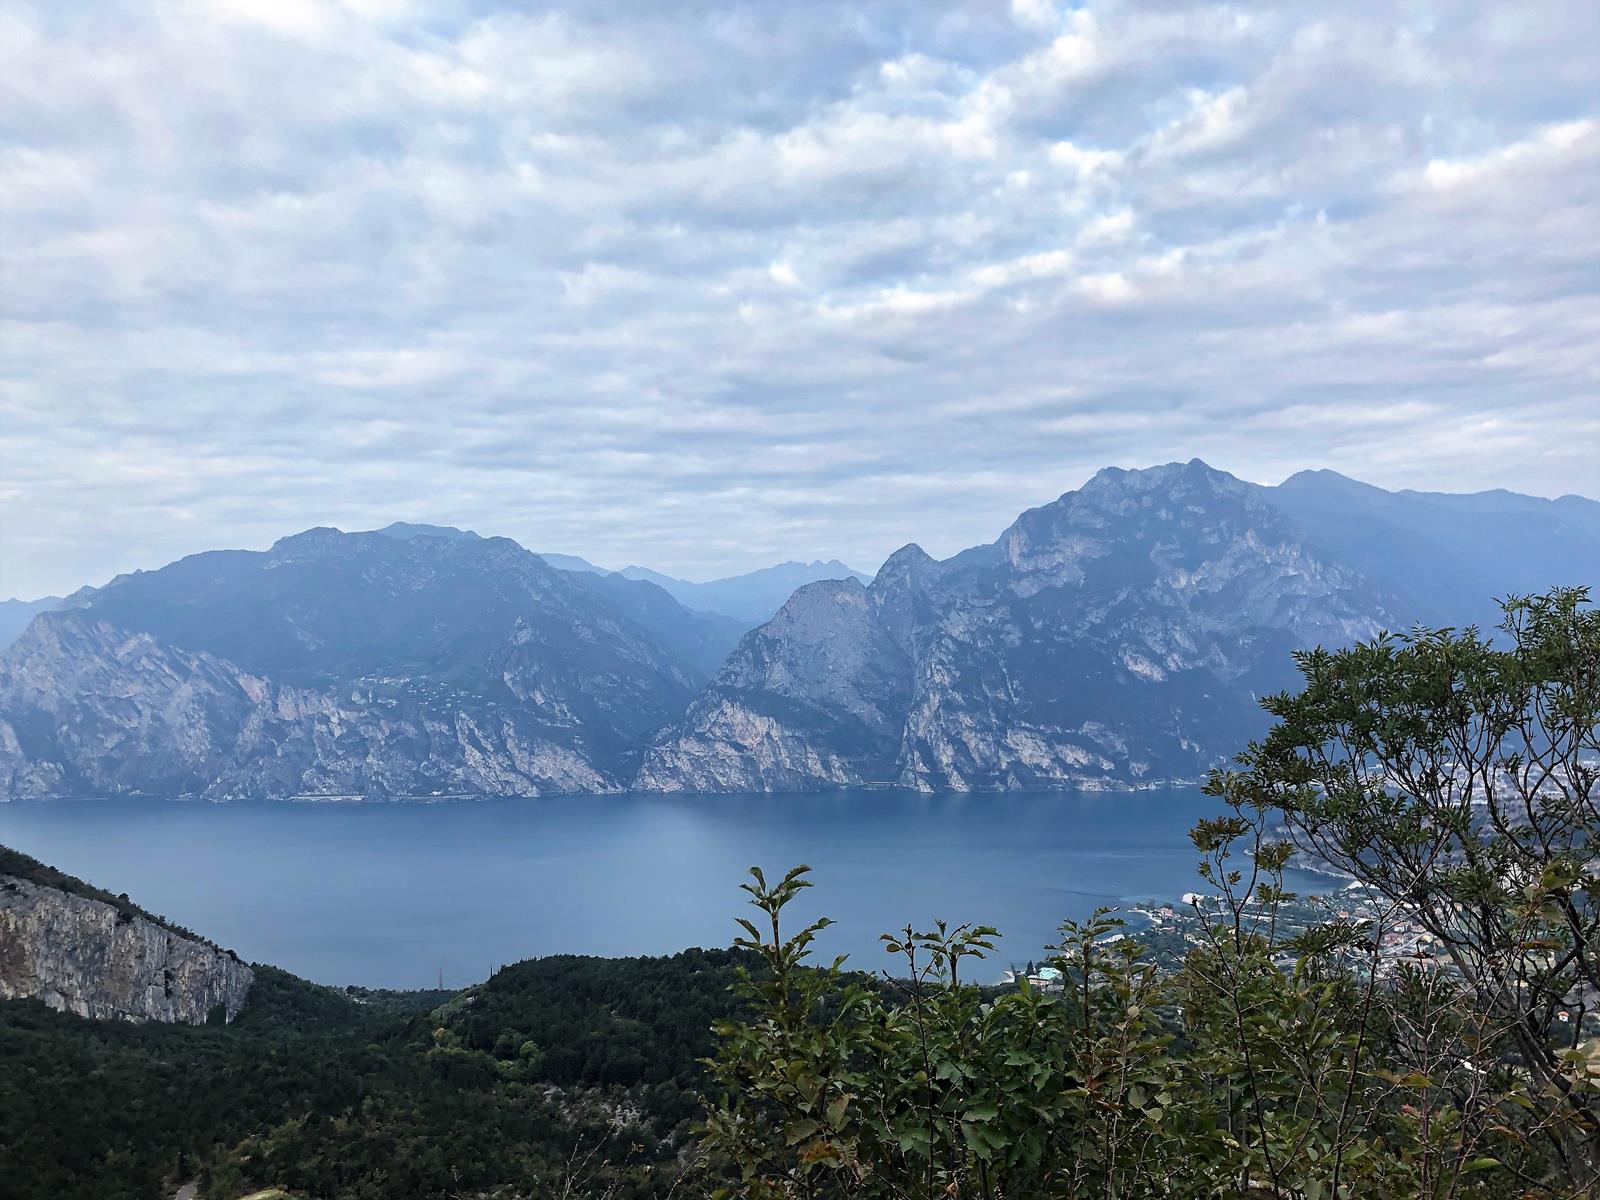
x=338 y=663
x=1011 y=665
x=1116 y=636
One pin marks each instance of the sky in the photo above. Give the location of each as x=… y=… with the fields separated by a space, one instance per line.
x=707 y=286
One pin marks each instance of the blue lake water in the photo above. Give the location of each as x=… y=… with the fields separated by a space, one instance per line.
x=392 y=894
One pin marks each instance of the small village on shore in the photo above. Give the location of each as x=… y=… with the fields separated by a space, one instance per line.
x=1168 y=931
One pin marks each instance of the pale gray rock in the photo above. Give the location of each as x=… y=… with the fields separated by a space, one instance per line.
x=348 y=665
x=81 y=955
x=1116 y=638
x=812 y=699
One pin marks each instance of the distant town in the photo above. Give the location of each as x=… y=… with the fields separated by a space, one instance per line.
x=1170 y=930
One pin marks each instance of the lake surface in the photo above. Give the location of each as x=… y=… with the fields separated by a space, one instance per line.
x=391 y=894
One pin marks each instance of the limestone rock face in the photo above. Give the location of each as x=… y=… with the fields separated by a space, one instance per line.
x=84 y=956
x=815 y=698
x=1116 y=638
x=349 y=664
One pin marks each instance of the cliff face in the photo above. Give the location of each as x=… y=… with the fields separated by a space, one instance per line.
x=84 y=956
x=349 y=664
x=1117 y=637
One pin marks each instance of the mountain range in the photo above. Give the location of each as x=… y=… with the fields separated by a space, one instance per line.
x=1119 y=636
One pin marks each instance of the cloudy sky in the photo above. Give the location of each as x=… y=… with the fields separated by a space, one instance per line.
x=708 y=285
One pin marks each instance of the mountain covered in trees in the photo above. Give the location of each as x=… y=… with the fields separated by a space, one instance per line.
x=1119 y=636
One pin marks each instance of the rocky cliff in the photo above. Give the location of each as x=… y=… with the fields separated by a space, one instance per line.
x=86 y=956
x=1117 y=637
x=339 y=664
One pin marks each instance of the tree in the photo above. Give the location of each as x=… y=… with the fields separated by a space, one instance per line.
x=1451 y=778
x=1457 y=779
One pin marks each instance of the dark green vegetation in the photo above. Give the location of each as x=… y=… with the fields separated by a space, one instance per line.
x=562 y=1076
x=1456 y=781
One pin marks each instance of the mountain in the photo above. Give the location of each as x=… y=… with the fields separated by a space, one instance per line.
x=745 y=600
x=15 y=615
x=571 y=562
x=1450 y=556
x=752 y=597
x=1118 y=636
x=339 y=663
x=702 y=639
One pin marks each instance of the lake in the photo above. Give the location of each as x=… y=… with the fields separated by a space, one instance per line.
x=393 y=894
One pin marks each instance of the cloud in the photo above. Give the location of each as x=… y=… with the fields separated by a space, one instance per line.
x=705 y=286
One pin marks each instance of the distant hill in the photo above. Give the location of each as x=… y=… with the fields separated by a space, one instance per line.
x=571 y=562
x=1451 y=556
x=748 y=599
x=752 y=597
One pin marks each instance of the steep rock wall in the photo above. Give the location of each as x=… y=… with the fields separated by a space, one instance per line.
x=84 y=956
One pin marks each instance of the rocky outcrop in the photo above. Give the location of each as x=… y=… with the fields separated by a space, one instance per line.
x=815 y=698
x=1116 y=638
x=82 y=955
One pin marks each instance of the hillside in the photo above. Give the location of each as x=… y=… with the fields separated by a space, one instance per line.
x=341 y=663
x=357 y=1093
x=1449 y=556
x=1114 y=638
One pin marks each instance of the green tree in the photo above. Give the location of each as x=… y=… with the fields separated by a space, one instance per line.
x=1457 y=778
x=1453 y=778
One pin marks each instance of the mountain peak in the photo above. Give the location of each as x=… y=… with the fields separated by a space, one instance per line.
x=1160 y=473
x=404 y=530
x=908 y=558
x=1327 y=481
x=307 y=539
x=1119 y=485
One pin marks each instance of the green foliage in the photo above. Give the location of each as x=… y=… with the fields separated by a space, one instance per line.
x=1455 y=780
x=358 y=1094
